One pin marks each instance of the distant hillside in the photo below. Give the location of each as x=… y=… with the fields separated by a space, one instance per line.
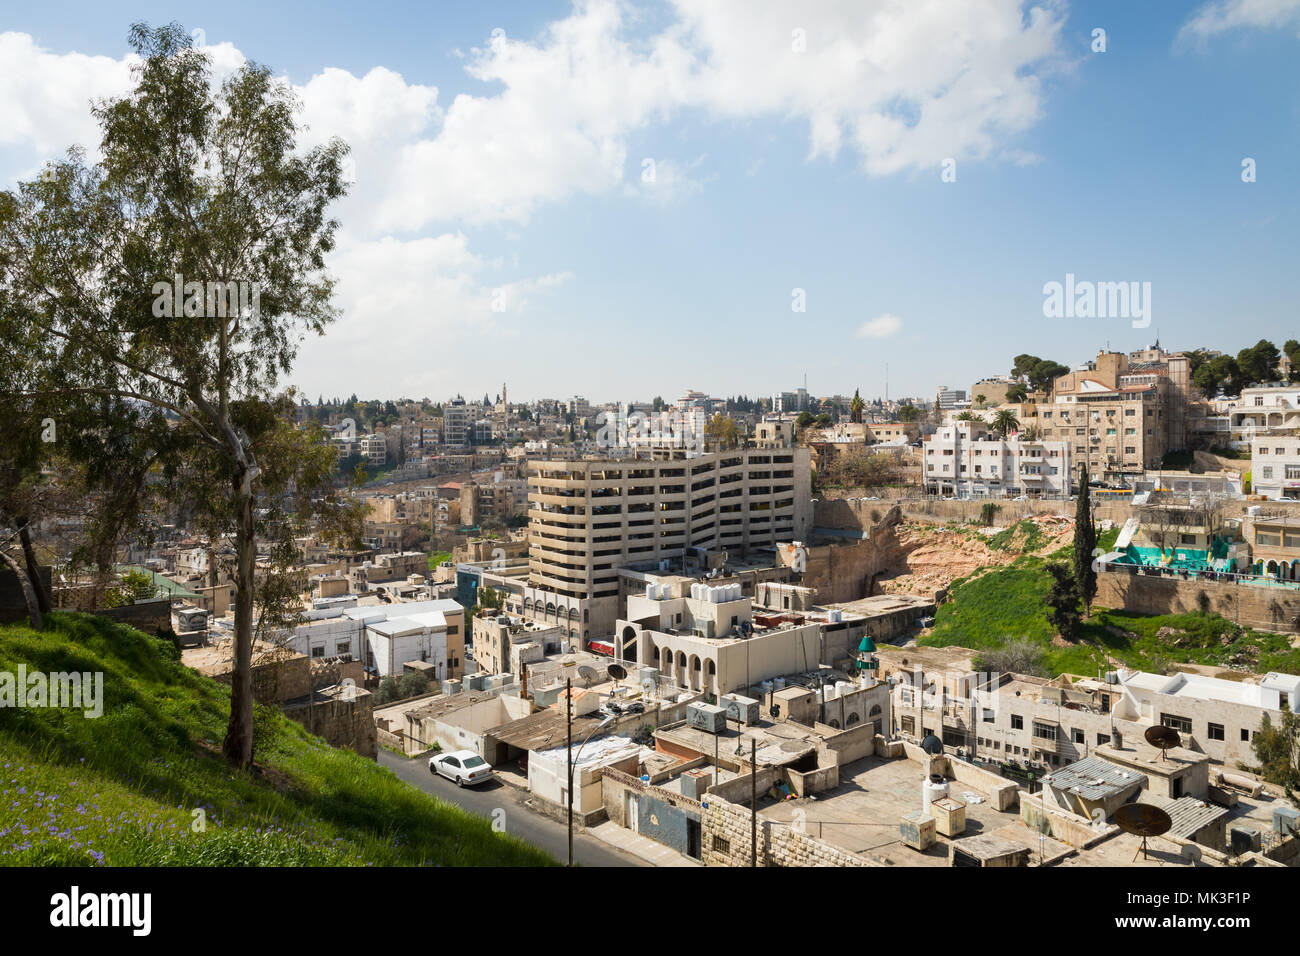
x=145 y=784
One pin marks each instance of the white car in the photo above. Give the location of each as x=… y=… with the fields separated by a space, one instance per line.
x=462 y=766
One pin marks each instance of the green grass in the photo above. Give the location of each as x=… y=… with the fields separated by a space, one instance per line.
x=998 y=605
x=145 y=784
x=438 y=557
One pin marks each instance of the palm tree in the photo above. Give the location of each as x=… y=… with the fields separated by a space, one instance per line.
x=1005 y=422
x=966 y=416
x=856 y=406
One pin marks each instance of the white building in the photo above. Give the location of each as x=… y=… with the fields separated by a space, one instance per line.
x=1275 y=466
x=966 y=460
x=1263 y=410
x=386 y=636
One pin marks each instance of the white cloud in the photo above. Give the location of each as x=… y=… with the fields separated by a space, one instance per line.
x=404 y=304
x=1224 y=15
x=45 y=97
x=882 y=326
x=901 y=83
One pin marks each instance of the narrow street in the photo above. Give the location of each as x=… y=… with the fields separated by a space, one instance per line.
x=541 y=831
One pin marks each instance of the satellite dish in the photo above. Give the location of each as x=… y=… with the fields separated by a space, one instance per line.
x=587 y=673
x=774 y=711
x=1163 y=739
x=1144 y=820
x=617 y=671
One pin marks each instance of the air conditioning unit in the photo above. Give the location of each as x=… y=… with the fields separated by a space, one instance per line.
x=1245 y=839
x=742 y=709
x=707 y=717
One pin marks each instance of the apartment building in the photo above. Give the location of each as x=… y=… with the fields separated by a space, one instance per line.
x=1264 y=410
x=373 y=448
x=502 y=498
x=966 y=460
x=1275 y=466
x=457 y=424
x=1053 y=723
x=589 y=518
x=950 y=398
x=1119 y=416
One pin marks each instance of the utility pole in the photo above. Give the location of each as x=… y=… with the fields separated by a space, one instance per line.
x=753 y=802
x=568 y=723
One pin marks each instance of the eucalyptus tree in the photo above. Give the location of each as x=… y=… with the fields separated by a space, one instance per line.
x=180 y=271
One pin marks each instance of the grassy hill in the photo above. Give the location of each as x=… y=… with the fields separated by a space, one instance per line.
x=997 y=606
x=146 y=785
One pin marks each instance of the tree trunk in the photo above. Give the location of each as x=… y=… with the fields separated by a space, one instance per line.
x=238 y=745
x=29 y=592
x=34 y=569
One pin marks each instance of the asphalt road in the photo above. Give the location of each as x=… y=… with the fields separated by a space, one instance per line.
x=546 y=834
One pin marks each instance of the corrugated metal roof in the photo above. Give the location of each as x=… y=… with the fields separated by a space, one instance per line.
x=1093 y=778
x=1190 y=815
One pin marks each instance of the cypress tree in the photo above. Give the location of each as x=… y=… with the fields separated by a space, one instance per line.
x=1085 y=542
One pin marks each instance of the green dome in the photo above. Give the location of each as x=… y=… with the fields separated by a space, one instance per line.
x=867 y=645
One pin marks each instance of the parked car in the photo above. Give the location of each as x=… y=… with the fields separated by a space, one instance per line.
x=462 y=766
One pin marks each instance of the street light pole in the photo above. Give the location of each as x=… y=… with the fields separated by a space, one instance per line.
x=568 y=723
x=753 y=801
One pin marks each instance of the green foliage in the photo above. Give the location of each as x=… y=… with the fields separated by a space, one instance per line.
x=1277 y=748
x=1014 y=657
x=135 y=586
x=988 y=511
x=1063 y=601
x=122 y=790
x=1085 y=542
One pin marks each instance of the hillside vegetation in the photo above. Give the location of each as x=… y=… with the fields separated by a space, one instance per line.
x=998 y=606
x=145 y=784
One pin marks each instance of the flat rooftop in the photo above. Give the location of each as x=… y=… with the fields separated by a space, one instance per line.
x=862 y=814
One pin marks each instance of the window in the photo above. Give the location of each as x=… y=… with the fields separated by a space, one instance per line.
x=721 y=845
x=1216 y=731
x=1017 y=722
x=988 y=716
x=1245 y=735
x=1077 y=736
x=318 y=651
x=343 y=647
x=1044 y=731
x=1103 y=739
x=1181 y=724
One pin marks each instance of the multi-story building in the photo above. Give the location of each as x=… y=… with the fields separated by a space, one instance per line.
x=1015 y=717
x=1275 y=465
x=950 y=398
x=796 y=401
x=1120 y=416
x=374 y=449
x=1263 y=410
x=589 y=518
x=457 y=424
x=966 y=460
x=502 y=498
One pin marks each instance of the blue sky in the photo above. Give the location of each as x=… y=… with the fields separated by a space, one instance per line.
x=527 y=192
